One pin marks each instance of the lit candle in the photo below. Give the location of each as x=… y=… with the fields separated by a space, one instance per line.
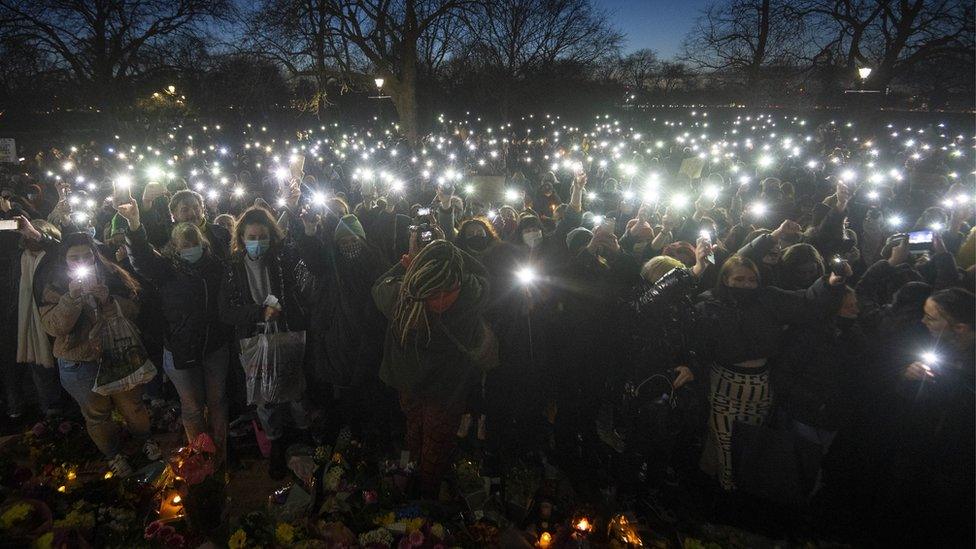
x=171 y=507
x=545 y=540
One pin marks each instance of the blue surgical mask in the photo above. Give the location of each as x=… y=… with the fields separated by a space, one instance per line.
x=192 y=254
x=256 y=248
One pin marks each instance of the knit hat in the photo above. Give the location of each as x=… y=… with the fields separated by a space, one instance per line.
x=349 y=226
x=577 y=238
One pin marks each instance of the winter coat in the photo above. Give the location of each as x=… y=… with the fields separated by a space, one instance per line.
x=290 y=281
x=71 y=319
x=437 y=369
x=189 y=297
x=818 y=373
x=728 y=332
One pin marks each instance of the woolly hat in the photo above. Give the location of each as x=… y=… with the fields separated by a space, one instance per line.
x=578 y=238
x=349 y=225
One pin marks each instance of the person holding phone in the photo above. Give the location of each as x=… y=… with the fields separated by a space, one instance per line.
x=187 y=277
x=84 y=287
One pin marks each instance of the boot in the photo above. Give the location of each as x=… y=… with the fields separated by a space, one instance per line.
x=277 y=466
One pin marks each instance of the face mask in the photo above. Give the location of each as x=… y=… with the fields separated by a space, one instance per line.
x=192 y=254
x=477 y=243
x=90 y=231
x=351 y=250
x=742 y=296
x=442 y=301
x=532 y=238
x=256 y=248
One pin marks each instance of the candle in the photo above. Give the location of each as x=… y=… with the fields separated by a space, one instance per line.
x=171 y=507
x=545 y=540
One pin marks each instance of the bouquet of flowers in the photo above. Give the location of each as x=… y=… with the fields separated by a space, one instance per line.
x=202 y=492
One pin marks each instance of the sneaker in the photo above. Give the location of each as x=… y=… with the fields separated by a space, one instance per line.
x=120 y=466
x=151 y=450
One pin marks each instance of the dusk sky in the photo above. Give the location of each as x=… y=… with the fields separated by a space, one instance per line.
x=660 y=25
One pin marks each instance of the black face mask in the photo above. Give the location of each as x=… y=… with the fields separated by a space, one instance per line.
x=477 y=243
x=742 y=296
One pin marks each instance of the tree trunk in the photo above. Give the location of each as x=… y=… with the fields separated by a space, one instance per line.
x=405 y=96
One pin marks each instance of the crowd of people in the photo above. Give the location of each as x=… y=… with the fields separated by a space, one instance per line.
x=776 y=308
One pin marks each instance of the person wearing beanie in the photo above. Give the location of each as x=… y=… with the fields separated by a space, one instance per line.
x=577 y=239
x=349 y=225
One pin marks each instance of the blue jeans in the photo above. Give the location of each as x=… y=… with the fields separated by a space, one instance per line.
x=78 y=378
x=45 y=381
x=204 y=385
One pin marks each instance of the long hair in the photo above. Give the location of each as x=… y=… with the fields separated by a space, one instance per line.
x=259 y=216
x=731 y=263
x=113 y=273
x=438 y=267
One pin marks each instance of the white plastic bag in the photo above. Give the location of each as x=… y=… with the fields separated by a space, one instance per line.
x=124 y=363
x=273 y=365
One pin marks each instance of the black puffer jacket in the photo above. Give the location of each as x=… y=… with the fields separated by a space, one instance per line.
x=728 y=332
x=188 y=294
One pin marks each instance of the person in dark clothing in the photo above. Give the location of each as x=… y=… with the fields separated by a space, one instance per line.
x=187 y=206
x=435 y=305
x=740 y=328
x=187 y=276
x=24 y=346
x=266 y=282
x=929 y=467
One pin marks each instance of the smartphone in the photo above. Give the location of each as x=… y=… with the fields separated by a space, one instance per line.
x=837 y=265
x=920 y=241
x=297 y=166
x=8 y=225
x=121 y=194
x=707 y=236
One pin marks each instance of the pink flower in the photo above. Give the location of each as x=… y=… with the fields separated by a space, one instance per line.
x=152 y=529
x=39 y=429
x=416 y=538
x=203 y=443
x=65 y=427
x=370 y=496
x=176 y=540
x=166 y=531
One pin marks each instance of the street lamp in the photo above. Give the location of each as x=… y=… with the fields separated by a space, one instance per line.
x=864 y=72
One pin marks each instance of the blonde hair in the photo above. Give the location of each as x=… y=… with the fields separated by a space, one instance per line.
x=656 y=267
x=182 y=233
x=438 y=267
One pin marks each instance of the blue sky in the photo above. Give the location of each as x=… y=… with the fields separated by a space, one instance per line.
x=660 y=25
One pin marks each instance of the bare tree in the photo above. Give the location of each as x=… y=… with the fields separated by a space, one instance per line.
x=102 y=42
x=748 y=37
x=303 y=37
x=636 y=68
x=389 y=35
x=513 y=39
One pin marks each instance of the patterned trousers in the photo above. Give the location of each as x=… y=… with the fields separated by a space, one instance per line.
x=736 y=394
x=431 y=439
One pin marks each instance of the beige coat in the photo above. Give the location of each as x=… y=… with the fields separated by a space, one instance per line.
x=71 y=320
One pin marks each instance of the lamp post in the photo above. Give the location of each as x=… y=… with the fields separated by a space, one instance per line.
x=379 y=97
